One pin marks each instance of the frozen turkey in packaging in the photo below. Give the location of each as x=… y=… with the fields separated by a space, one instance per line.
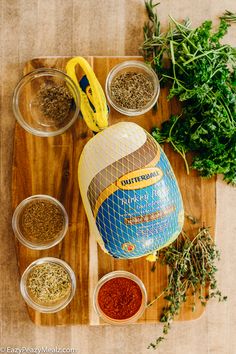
x=129 y=191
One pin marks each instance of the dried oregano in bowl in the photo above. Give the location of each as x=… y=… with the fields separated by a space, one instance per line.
x=48 y=284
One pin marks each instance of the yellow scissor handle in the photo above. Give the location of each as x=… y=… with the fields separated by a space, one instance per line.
x=96 y=120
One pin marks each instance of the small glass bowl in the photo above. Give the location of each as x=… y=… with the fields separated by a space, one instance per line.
x=33 y=244
x=26 y=105
x=53 y=307
x=120 y=274
x=137 y=67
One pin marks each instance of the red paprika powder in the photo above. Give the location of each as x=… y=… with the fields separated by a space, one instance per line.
x=120 y=298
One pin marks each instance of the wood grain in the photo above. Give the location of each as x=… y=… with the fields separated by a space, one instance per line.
x=49 y=166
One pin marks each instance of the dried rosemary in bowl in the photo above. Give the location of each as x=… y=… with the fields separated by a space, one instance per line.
x=48 y=283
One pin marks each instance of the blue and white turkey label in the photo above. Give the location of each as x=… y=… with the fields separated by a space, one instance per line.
x=136 y=203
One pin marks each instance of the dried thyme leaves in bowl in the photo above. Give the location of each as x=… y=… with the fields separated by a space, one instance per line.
x=46 y=102
x=54 y=102
x=48 y=284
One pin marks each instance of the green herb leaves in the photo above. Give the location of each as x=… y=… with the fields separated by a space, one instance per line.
x=192 y=266
x=229 y=16
x=202 y=76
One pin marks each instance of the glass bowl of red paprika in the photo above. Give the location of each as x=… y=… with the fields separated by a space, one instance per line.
x=120 y=298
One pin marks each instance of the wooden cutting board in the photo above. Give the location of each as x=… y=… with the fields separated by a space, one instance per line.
x=49 y=166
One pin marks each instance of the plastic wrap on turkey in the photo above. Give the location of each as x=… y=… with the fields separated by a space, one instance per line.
x=129 y=191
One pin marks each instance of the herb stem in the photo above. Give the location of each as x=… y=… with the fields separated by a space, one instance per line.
x=229 y=16
x=232 y=122
x=205 y=54
x=172 y=52
x=178 y=25
x=155 y=299
x=182 y=153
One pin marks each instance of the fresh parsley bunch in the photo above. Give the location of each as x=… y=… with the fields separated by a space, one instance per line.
x=202 y=75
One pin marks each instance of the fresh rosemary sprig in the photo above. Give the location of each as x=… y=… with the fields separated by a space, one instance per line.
x=229 y=16
x=192 y=271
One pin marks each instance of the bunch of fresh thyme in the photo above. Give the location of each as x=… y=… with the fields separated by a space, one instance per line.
x=192 y=270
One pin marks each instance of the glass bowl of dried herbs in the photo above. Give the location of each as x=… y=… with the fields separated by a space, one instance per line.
x=120 y=298
x=132 y=88
x=48 y=285
x=46 y=102
x=40 y=222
